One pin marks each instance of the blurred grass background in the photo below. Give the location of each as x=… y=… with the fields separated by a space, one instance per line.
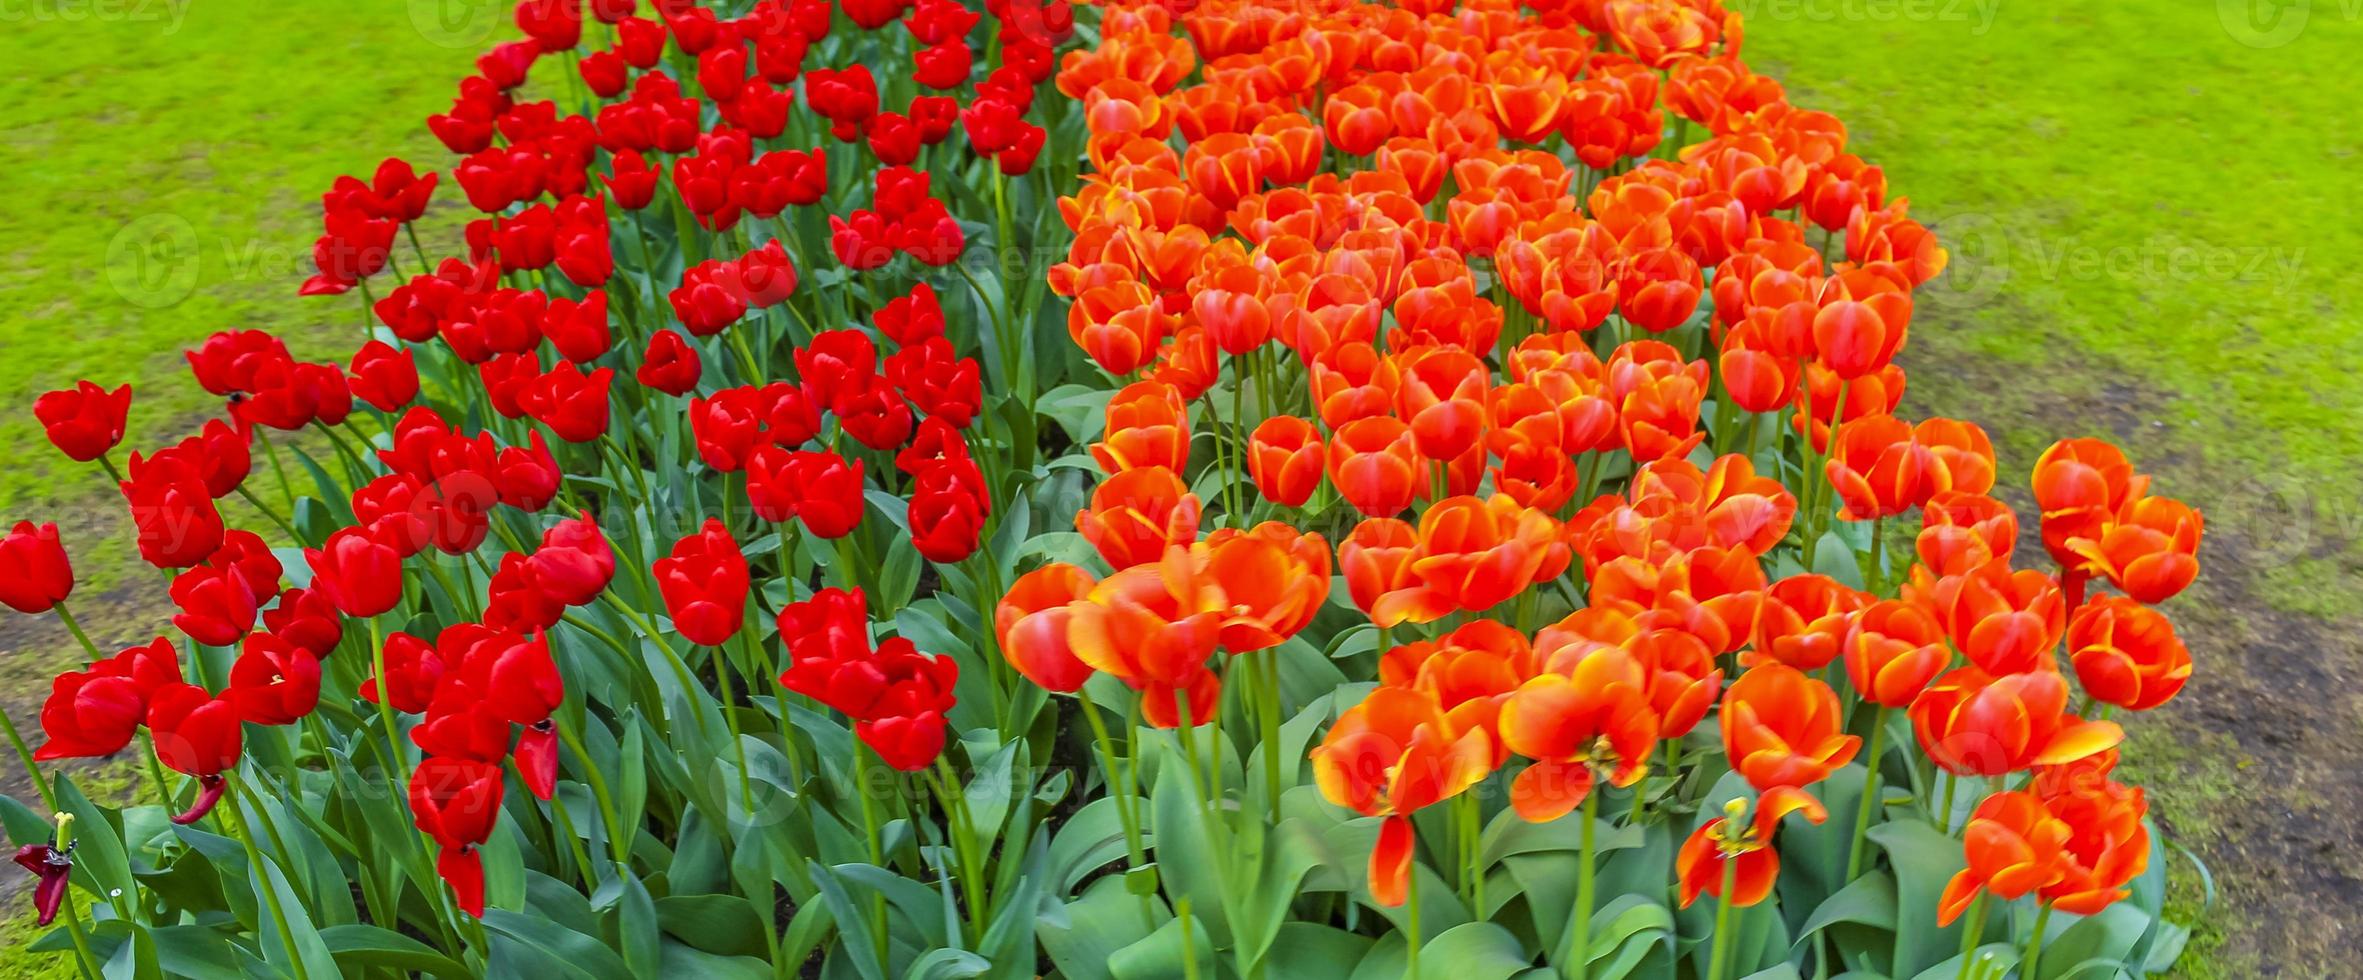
x=2151 y=207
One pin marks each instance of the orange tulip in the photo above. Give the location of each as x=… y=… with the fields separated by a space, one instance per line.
x=2005 y=622
x=1271 y=580
x=1657 y=396
x=1390 y=756
x=1758 y=376
x=1657 y=289
x=1960 y=456
x=1223 y=166
x=1353 y=381
x=1804 y=622
x=1889 y=237
x=1878 y=470
x=2151 y=550
x=1821 y=392
x=1469 y=671
x=1233 y=303
x=2126 y=654
x=1284 y=456
x=1375 y=465
x=1417 y=161
x=1714 y=593
x=1781 y=728
x=2081 y=484
x=1893 y=649
x=1683 y=678
x=1355 y=120
x=1443 y=396
x=1137 y=514
x=1538 y=475
x=2014 y=845
x=1841 y=186
x=1148 y=426
x=1376 y=559
x=1972 y=723
x=1524 y=101
x=1960 y=531
x=1475 y=554
x=1119 y=326
x=1591 y=723
x=2107 y=844
x=1862 y=323
x=1186 y=361
x=1291 y=146
x=1587 y=418
x=1134 y=626
x=1747 y=844
x=1032 y=622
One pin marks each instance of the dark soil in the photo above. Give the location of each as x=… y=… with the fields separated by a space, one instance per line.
x=2257 y=766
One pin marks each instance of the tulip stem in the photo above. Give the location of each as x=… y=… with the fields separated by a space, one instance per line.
x=385 y=703
x=262 y=881
x=861 y=779
x=278 y=468
x=1411 y=924
x=1946 y=815
x=292 y=537
x=164 y=782
x=369 y=306
x=1269 y=664
x=2035 y=941
x=1189 y=740
x=962 y=833
x=1870 y=800
x=1579 y=932
x=1974 y=935
x=618 y=841
x=1121 y=797
x=87 y=960
x=75 y=628
x=24 y=756
x=1721 y=958
x=738 y=748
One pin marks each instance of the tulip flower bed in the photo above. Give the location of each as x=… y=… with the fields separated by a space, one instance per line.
x=1494 y=549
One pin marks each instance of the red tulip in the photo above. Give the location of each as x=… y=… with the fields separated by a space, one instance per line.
x=571 y=403
x=305 y=618
x=947 y=512
x=704 y=584
x=273 y=682
x=217 y=606
x=34 y=573
x=196 y=734
x=84 y=421
x=360 y=575
x=413 y=669
x=89 y=714
x=176 y=521
x=385 y=378
x=670 y=365
x=456 y=802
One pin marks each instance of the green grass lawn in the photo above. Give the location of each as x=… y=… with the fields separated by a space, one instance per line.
x=2150 y=206
x=2154 y=237
x=163 y=160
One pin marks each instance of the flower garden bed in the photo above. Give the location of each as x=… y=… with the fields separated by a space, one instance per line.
x=1494 y=548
